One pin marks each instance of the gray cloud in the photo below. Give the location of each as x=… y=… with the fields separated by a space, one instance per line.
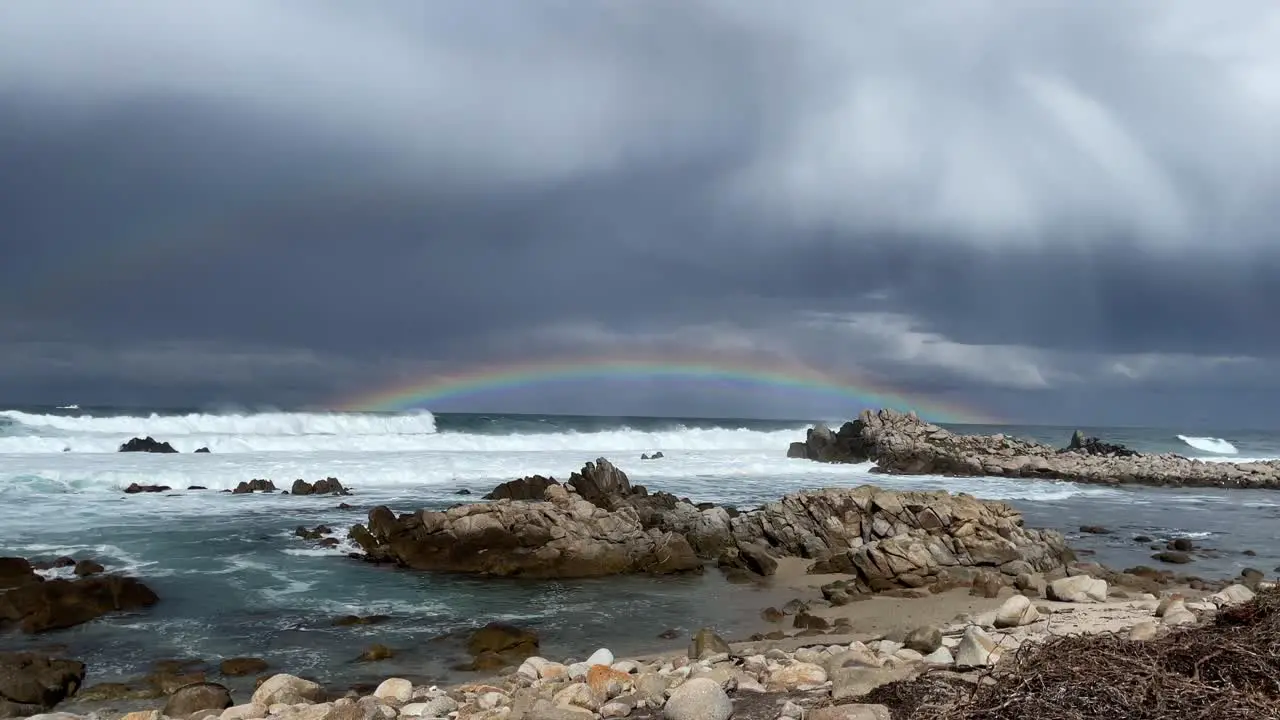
x=999 y=202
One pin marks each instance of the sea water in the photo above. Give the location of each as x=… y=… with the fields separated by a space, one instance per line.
x=235 y=581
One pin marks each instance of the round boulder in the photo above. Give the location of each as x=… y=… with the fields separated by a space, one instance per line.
x=191 y=699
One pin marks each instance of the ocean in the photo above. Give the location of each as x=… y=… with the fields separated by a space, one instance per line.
x=235 y=581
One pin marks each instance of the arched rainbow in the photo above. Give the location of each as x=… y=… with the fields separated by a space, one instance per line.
x=422 y=392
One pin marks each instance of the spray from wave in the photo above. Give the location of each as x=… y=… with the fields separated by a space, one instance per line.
x=1217 y=446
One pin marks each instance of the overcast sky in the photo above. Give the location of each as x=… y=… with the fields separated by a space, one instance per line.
x=1049 y=211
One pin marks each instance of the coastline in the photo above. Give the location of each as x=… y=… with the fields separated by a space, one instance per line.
x=870 y=612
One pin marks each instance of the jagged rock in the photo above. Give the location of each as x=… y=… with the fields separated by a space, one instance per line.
x=592 y=532
x=903 y=444
x=253 y=486
x=1093 y=446
x=706 y=643
x=135 y=488
x=889 y=539
x=147 y=444
x=533 y=487
x=327 y=486
x=202 y=451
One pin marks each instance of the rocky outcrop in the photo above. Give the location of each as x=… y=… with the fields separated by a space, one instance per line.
x=33 y=604
x=327 y=486
x=147 y=444
x=32 y=683
x=888 y=539
x=597 y=523
x=903 y=444
x=563 y=536
x=256 y=485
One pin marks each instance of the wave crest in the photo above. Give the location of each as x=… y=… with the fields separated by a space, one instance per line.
x=1217 y=446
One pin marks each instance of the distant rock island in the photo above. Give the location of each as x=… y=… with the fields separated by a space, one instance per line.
x=903 y=444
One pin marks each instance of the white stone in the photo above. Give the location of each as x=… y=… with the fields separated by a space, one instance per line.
x=1143 y=631
x=600 y=657
x=396 y=690
x=435 y=708
x=1078 y=589
x=1233 y=595
x=698 y=699
x=941 y=657
x=1178 y=615
x=627 y=666
x=1017 y=611
x=976 y=648
x=491 y=700
x=248 y=711
x=578 y=671
x=797 y=675
x=288 y=690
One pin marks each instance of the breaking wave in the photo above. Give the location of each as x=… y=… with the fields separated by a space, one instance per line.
x=1217 y=446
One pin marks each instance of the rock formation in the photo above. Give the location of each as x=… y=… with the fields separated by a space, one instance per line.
x=597 y=523
x=32 y=683
x=903 y=444
x=563 y=536
x=888 y=539
x=147 y=444
x=327 y=486
x=33 y=604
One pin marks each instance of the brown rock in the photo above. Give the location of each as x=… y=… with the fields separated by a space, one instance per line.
x=188 y=700
x=31 y=683
x=503 y=639
x=242 y=666
x=85 y=568
x=58 y=604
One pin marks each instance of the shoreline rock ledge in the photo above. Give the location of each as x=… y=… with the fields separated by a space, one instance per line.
x=903 y=444
x=597 y=524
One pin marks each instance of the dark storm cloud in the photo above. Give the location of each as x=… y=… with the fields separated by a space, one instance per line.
x=949 y=196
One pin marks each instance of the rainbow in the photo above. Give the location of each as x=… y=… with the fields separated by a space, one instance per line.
x=423 y=392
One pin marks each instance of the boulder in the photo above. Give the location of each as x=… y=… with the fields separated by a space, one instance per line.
x=32 y=683
x=15 y=571
x=1016 y=612
x=903 y=444
x=196 y=697
x=287 y=690
x=147 y=444
x=1078 y=589
x=57 y=604
x=698 y=699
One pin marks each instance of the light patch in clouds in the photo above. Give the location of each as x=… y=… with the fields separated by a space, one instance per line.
x=884 y=339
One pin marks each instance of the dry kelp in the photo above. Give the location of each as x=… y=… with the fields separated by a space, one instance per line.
x=1225 y=670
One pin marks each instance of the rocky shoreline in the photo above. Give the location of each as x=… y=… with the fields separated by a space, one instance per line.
x=864 y=563
x=903 y=444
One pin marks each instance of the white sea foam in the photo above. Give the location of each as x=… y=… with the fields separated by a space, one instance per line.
x=352 y=433
x=1214 y=445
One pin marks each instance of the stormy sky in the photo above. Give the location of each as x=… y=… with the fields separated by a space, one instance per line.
x=1049 y=211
